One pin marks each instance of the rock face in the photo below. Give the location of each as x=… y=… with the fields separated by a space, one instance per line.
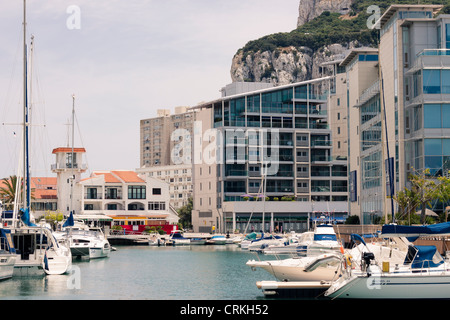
x=292 y=64
x=285 y=65
x=309 y=9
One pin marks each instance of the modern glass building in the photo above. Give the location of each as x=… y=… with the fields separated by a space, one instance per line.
x=273 y=144
x=409 y=82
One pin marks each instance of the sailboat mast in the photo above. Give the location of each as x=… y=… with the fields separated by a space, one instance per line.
x=26 y=167
x=73 y=153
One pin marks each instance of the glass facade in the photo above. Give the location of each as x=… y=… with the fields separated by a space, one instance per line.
x=436 y=81
x=301 y=144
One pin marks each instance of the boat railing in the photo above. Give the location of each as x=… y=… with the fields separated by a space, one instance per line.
x=4 y=245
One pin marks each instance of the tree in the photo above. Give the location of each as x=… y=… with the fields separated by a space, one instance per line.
x=443 y=192
x=408 y=202
x=8 y=191
x=425 y=188
x=185 y=214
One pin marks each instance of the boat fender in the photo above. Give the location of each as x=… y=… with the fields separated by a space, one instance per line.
x=348 y=260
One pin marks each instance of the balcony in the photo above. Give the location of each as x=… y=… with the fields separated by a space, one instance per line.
x=321 y=158
x=67 y=166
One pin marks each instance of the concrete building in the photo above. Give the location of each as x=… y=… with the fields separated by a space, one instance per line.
x=179 y=179
x=122 y=195
x=364 y=139
x=157 y=145
x=402 y=103
x=127 y=198
x=275 y=144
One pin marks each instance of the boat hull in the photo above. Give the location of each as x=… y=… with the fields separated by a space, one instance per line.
x=295 y=271
x=79 y=251
x=98 y=252
x=58 y=265
x=7 y=263
x=411 y=286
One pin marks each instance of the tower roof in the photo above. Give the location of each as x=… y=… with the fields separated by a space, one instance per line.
x=69 y=150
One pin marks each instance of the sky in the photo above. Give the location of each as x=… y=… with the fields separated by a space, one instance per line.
x=122 y=60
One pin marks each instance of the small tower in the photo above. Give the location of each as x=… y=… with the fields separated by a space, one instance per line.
x=68 y=167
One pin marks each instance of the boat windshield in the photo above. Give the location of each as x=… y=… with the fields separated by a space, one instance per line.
x=423 y=257
x=252 y=236
x=325 y=237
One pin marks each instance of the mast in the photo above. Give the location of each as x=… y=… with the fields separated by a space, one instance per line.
x=26 y=167
x=73 y=154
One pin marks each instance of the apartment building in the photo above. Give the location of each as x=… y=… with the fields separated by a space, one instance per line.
x=157 y=145
x=402 y=105
x=365 y=132
x=273 y=144
x=179 y=179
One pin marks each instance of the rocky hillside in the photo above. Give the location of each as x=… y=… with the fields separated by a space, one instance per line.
x=310 y=9
x=326 y=30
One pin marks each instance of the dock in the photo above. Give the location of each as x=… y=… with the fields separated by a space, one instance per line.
x=281 y=289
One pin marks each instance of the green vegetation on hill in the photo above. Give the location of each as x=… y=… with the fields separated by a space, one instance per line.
x=331 y=28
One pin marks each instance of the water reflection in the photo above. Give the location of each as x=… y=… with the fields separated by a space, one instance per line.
x=159 y=273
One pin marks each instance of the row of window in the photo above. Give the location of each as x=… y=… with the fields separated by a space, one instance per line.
x=155 y=206
x=134 y=192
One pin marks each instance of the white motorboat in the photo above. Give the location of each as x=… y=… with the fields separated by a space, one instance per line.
x=249 y=238
x=323 y=240
x=271 y=240
x=314 y=268
x=85 y=242
x=424 y=274
x=177 y=239
x=217 y=240
x=323 y=267
x=291 y=246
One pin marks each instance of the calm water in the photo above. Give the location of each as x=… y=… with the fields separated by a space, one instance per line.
x=154 y=273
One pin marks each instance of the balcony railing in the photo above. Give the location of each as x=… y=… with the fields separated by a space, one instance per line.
x=434 y=52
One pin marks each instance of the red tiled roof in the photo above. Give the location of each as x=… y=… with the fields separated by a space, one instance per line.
x=128 y=176
x=76 y=150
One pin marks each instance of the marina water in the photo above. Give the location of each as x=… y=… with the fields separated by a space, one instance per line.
x=149 y=273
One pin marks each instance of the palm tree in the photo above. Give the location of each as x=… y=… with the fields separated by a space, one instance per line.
x=8 y=191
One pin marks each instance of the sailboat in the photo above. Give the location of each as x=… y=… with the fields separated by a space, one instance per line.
x=7 y=252
x=37 y=251
x=424 y=273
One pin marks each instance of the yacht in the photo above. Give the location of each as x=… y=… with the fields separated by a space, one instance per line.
x=217 y=240
x=177 y=239
x=38 y=252
x=249 y=238
x=323 y=240
x=326 y=266
x=423 y=274
x=84 y=241
x=271 y=240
